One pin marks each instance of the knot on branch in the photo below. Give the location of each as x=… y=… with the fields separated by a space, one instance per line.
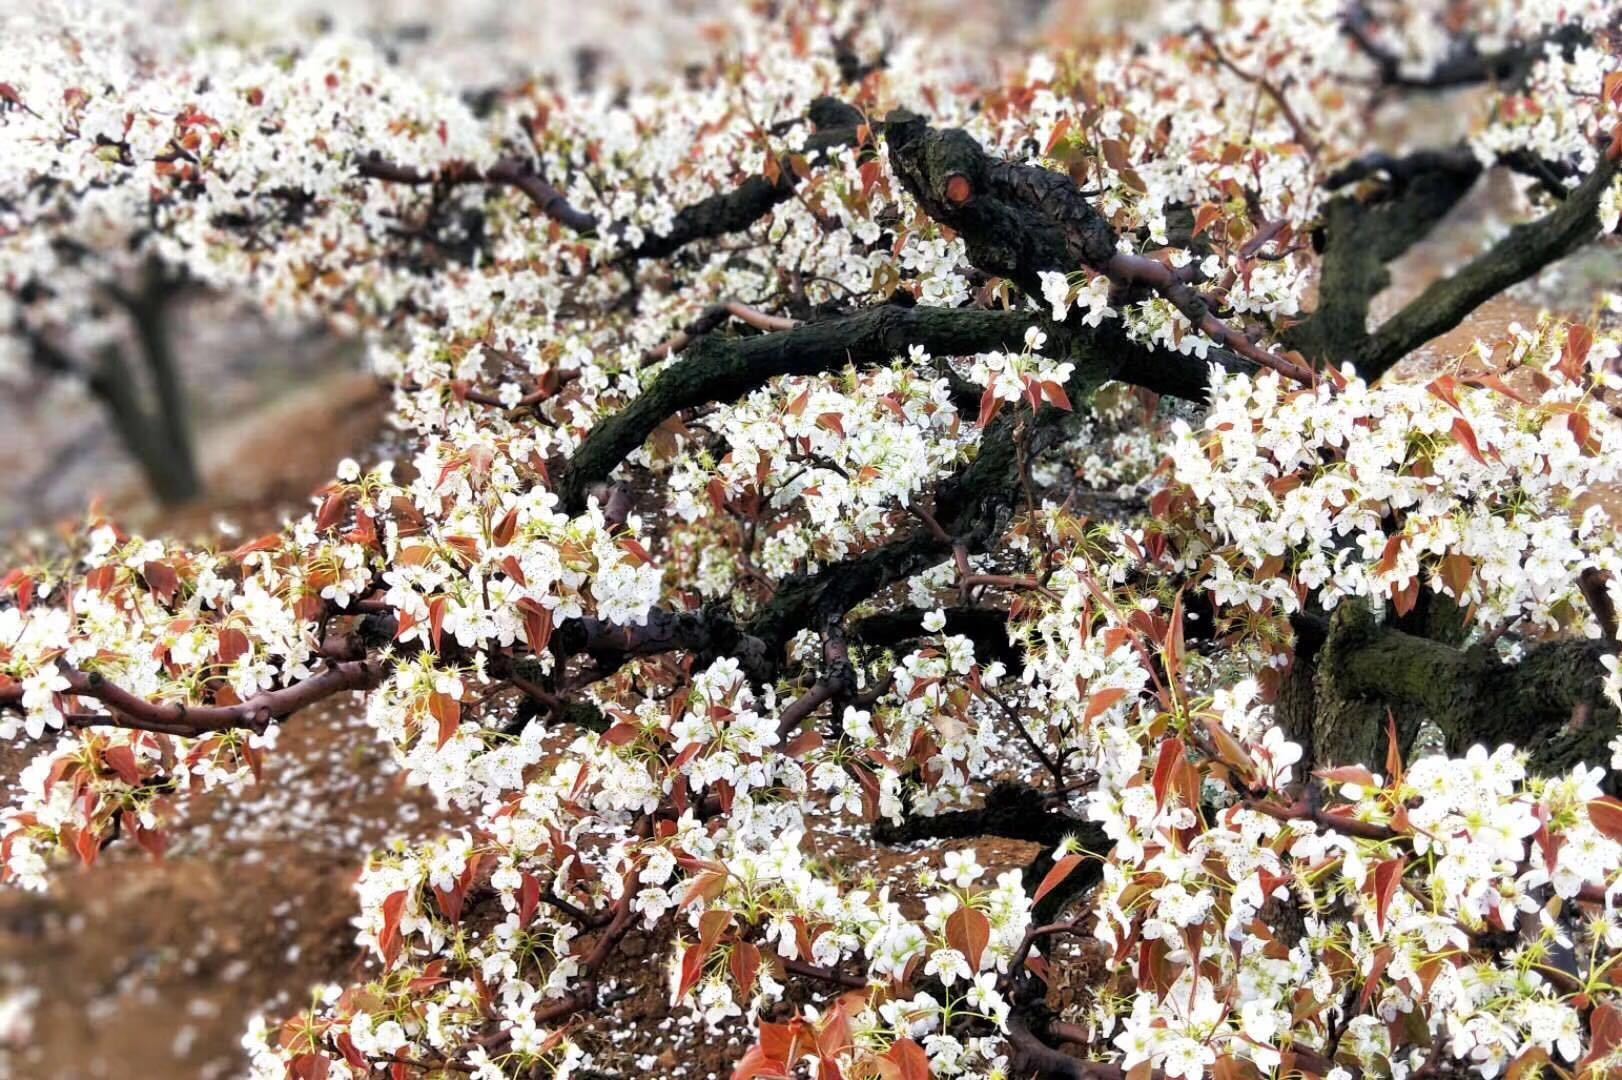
x=1017 y=220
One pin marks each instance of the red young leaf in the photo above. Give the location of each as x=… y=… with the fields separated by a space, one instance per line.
x=1100 y=701
x=121 y=759
x=1456 y=572
x=1205 y=218
x=1446 y=388
x=1581 y=430
x=1388 y=556
x=448 y=711
x=537 y=623
x=1574 y=357
x=450 y=902
x=1605 y=1027
x=969 y=932
x=990 y=403
x=1393 y=749
x=755 y=1065
x=388 y=938
x=231 y=643
x=744 y=964
x=436 y=619
x=1171 y=755
x=913 y=1062
x=86 y=844
x=1382 y=957
x=309 y=1067
x=162 y=580
x=1387 y=879
x=529 y=899
x=704 y=886
x=639 y=554
x=1606 y=814
x=1175 y=649
x=506 y=529
x=1349 y=774
x=332 y=511
x=621 y=734
x=1051 y=881
x=1465 y=435
x=711 y=925
x=1061 y=129
x=1494 y=382
x=692 y=969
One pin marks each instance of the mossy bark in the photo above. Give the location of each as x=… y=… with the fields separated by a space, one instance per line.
x=724 y=369
x=1360 y=239
x=718 y=368
x=1525 y=250
x=1550 y=701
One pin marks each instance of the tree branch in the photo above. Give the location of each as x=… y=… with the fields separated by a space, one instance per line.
x=1467 y=66
x=717 y=215
x=1527 y=249
x=1360 y=238
x=717 y=369
x=725 y=369
x=836 y=125
x=1472 y=695
x=255 y=714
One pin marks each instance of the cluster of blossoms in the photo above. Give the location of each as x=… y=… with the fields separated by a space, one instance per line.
x=577 y=677
x=1544 y=119
x=1395 y=889
x=1483 y=490
x=168 y=626
x=1027 y=374
x=813 y=469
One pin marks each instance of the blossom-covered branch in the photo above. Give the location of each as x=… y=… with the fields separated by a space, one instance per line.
x=779 y=486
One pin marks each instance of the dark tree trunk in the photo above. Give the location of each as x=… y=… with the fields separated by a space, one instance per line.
x=173 y=475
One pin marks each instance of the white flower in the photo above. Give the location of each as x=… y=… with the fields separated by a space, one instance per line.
x=962 y=868
x=983 y=996
x=948 y=965
x=1056 y=291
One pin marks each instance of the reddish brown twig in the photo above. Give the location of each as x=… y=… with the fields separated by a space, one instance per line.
x=177 y=718
x=1175 y=286
x=710 y=318
x=509 y=172
x=1302 y=135
x=1363 y=830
